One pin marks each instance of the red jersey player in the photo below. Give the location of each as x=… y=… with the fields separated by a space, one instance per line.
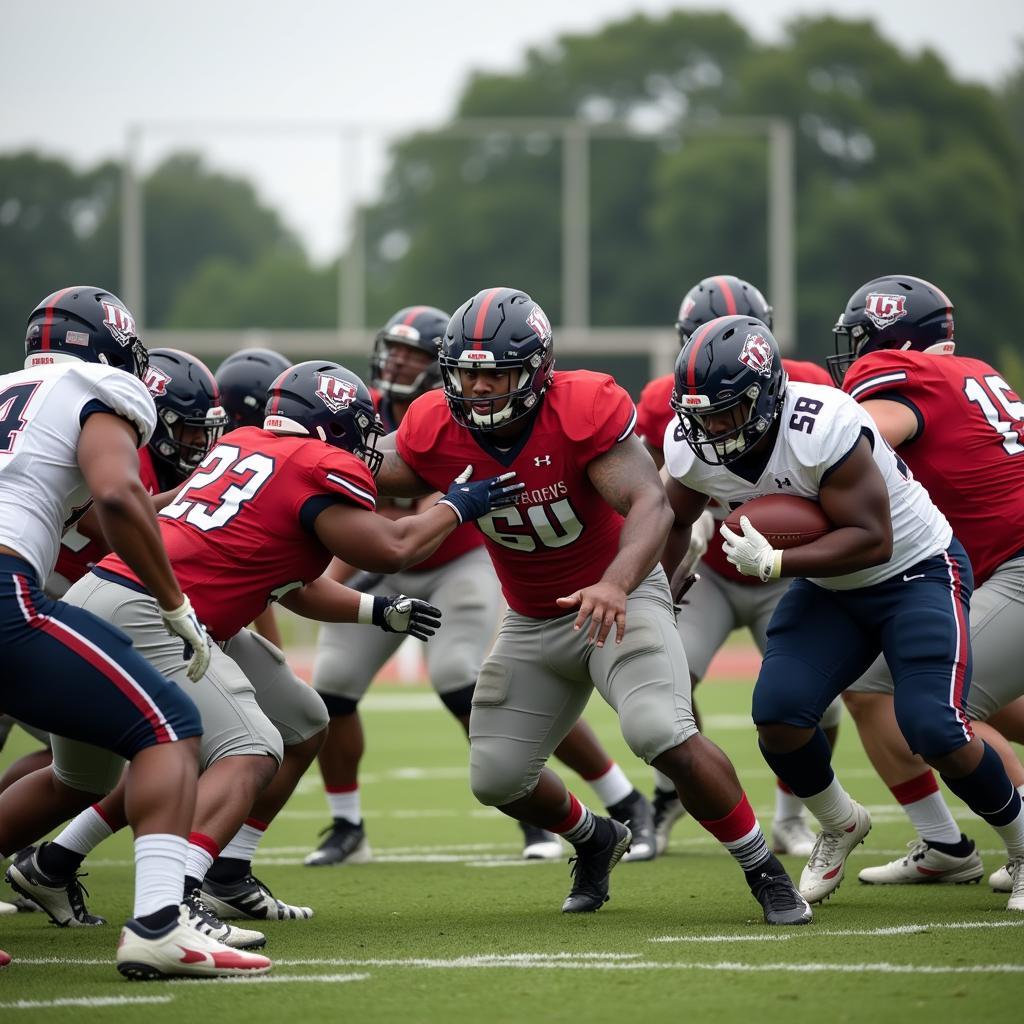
x=960 y=428
x=577 y=557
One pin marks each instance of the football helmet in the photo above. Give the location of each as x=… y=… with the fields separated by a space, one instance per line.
x=188 y=408
x=322 y=399
x=82 y=322
x=497 y=329
x=723 y=295
x=421 y=328
x=730 y=365
x=244 y=379
x=896 y=311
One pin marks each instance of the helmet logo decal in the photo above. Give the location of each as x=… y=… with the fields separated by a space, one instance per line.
x=883 y=310
x=335 y=393
x=689 y=303
x=404 y=331
x=119 y=322
x=757 y=354
x=538 y=323
x=156 y=381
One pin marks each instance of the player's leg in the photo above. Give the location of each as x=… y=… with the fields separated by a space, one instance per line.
x=646 y=680
x=348 y=657
x=27 y=762
x=815 y=648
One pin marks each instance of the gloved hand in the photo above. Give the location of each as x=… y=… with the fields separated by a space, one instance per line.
x=751 y=553
x=182 y=621
x=700 y=536
x=474 y=500
x=401 y=614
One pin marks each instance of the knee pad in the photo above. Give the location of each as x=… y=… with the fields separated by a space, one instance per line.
x=87 y=769
x=498 y=777
x=459 y=702
x=338 y=707
x=307 y=715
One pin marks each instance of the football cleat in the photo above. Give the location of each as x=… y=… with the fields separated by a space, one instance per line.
x=145 y=955
x=1000 y=879
x=668 y=809
x=792 y=836
x=922 y=865
x=825 y=868
x=196 y=914
x=7 y=908
x=1016 y=870
x=63 y=899
x=778 y=896
x=590 y=871
x=636 y=812
x=249 y=898
x=345 y=843
x=539 y=844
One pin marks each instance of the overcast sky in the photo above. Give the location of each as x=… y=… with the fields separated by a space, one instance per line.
x=75 y=73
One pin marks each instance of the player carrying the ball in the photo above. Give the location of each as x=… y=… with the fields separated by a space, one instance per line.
x=889 y=578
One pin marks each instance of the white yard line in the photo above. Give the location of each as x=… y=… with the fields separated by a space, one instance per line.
x=276 y=979
x=813 y=932
x=44 y=1004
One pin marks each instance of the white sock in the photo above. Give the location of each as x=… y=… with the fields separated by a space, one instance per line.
x=345 y=804
x=202 y=852
x=832 y=806
x=663 y=782
x=84 y=832
x=246 y=839
x=787 y=803
x=933 y=820
x=159 y=872
x=611 y=787
x=1012 y=835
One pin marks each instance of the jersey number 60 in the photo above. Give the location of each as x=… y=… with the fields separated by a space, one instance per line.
x=539 y=528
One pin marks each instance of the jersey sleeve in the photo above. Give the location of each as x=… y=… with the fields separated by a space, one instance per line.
x=652 y=411
x=607 y=416
x=878 y=373
x=835 y=436
x=679 y=455
x=343 y=475
x=126 y=396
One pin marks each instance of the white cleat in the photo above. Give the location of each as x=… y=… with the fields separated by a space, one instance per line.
x=7 y=908
x=827 y=863
x=1016 y=869
x=923 y=865
x=145 y=955
x=197 y=915
x=539 y=844
x=1000 y=880
x=792 y=836
x=668 y=809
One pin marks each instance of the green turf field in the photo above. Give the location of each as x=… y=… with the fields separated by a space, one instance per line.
x=449 y=925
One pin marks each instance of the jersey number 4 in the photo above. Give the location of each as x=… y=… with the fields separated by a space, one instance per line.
x=1002 y=408
x=13 y=403
x=220 y=504
x=536 y=529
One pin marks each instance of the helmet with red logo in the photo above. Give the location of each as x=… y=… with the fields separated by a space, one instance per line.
x=417 y=327
x=892 y=312
x=324 y=400
x=85 y=323
x=722 y=295
x=189 y=417
x=497 y=329
x=730 y=365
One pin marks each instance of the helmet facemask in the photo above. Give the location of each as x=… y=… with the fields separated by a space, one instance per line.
x=383 y=370
x=492 y=413
x=173 y=447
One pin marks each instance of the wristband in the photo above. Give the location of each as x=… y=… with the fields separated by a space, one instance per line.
x=365 y=617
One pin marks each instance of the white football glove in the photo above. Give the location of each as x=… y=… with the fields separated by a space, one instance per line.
x=751 y=553
x=183 y=622
x=700 y=536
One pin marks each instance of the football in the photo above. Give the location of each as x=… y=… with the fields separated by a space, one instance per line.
x=785 y=520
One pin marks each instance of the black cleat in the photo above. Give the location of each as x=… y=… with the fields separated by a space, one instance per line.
x=345 y=843
x=590 y=870
x=636 y=812
x=63 y=898
x=249 y=898
x=778 y=896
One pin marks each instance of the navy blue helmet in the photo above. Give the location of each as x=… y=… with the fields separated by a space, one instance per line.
x=730 y=365
x=723 y=295
x=497 y=329
x=85 y=323
x=244 y=379
x=322 y=399
x=419 y=327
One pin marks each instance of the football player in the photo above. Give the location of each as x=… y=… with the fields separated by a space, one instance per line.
x=458 y=578
x=723 y=599
x=73 y=421
x=890 y=578
x=306 y=481
x=589 y=606
x=960 y=428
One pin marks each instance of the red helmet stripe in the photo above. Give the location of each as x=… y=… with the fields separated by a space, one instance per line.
x=413 y=313
x=696 y=341
x=481 y=317
x=730 y=299
x=48 y=321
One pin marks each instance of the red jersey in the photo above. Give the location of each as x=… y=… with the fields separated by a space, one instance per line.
x=461 y=540
x=561 y=535
x=969 y=448
x=240 y=533
x=78 y=553
x=654 y=414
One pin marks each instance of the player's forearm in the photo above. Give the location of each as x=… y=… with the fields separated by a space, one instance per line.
x=324 y=600
x=644 y=533
x=847 y=549
x=418 y=537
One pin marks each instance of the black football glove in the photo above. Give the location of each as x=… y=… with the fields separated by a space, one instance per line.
x=474 y=500
x=401 y=614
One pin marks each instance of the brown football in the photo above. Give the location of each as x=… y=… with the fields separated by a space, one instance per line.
x=785 y=520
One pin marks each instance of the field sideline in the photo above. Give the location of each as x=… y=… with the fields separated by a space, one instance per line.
x=449 y=924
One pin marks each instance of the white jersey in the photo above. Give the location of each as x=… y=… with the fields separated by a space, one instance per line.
x=41 y=414
x=820 y=426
